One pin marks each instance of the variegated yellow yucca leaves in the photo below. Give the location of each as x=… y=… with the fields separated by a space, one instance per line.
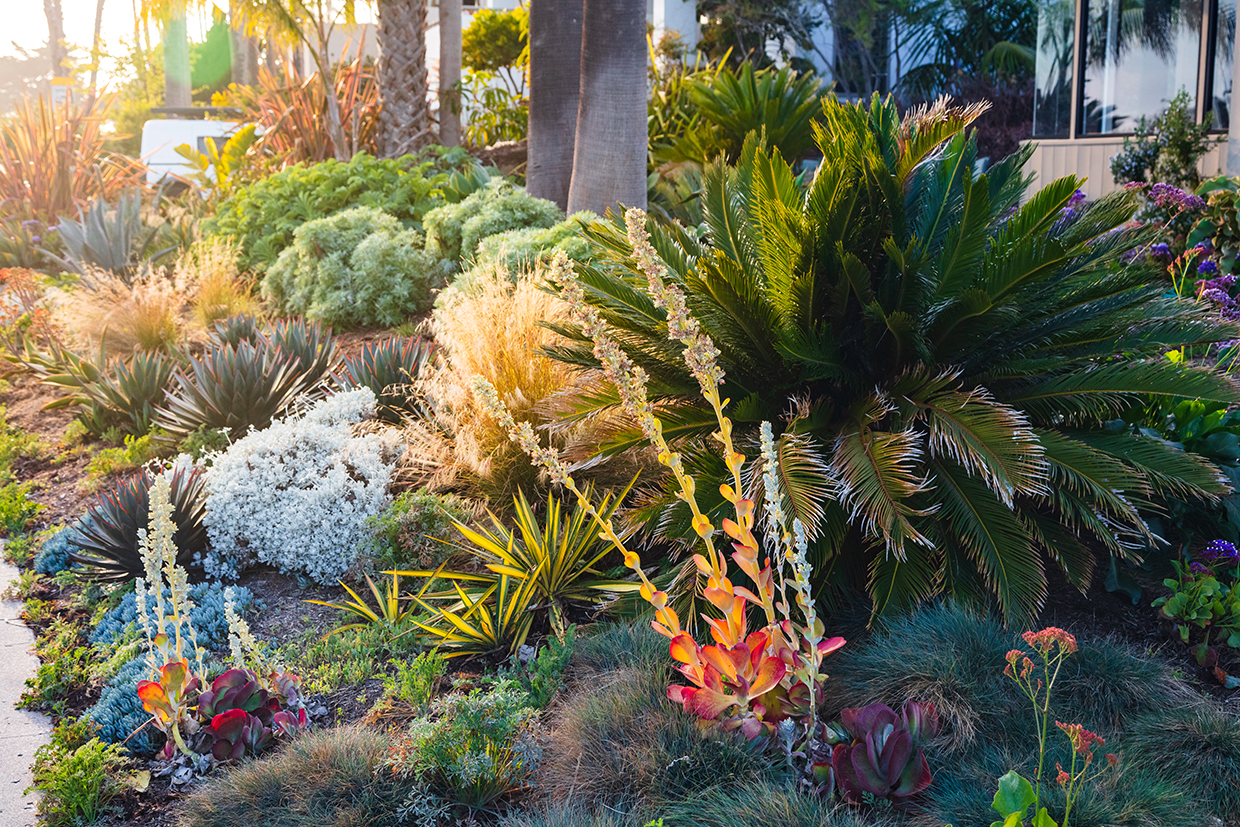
x=943 y=352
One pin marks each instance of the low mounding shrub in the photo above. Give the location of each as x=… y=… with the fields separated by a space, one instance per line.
x=518 y=251
x=76 y=780
x=410 y=533
x=765 y=803
x=297 y=494
x=473 y=749
x=260 y=219
x=357 y=267
x=332 y=777
x=454 y=230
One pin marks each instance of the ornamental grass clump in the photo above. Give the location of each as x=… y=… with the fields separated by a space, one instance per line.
x=751 y=678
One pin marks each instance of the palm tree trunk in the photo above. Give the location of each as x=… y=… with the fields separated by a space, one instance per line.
x=609 y=158
x=404 y=123
x=450 y=72
x=177 y=91
x=94 y=49
x=555 y=84
x=244 y=49
x=327 y=76
x=56 y=45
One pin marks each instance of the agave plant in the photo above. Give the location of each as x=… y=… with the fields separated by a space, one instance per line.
x=105 y=539
x=243 y=327
x=309 y=346
x=942 y=356
x=108 y=393
x=111 y=238
x=388 y=367
x=230 y=387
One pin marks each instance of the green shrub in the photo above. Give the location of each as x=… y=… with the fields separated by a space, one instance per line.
x=65 y=668
x=454 y=230
x=408 y=532
x=111 y=462
x=415 y=680
x=520 y=251
x=17 y=511
x=203 y=440
x=357 y=267
x=333 y=778
x=76 y=780
x=475 y=747
x=348 y=658
x=14 y=444
x=543 y=675
x=261 y=218
x=1166 y=148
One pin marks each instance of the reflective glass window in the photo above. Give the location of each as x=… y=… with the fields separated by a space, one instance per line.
x=1052 y=101
x=1138 y=55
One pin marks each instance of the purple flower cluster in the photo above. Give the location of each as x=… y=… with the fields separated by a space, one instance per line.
x=1161 y=251
x=1207 y=268
x=1198 y=568
x=1220 y=552
x=1174 y=198
x=1218 y=290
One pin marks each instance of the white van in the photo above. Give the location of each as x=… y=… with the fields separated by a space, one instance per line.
x=160 y=139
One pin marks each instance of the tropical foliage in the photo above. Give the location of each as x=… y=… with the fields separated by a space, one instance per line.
x=940 y=355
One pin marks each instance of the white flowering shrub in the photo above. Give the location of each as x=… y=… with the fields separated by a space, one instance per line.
x=298 y=494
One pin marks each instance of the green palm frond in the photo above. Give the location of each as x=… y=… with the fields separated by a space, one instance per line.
x=930 y=318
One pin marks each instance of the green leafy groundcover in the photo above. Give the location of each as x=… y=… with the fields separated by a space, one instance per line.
x=261 y=218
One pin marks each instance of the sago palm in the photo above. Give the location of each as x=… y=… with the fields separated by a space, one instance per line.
x=942 y=356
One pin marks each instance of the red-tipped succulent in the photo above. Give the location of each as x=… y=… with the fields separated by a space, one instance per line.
x=237 y=689
x=232 y=734
x=885 y=757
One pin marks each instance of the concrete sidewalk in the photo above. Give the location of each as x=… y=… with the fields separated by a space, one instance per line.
x=21 y=732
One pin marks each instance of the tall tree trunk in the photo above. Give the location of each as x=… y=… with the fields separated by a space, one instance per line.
x=404 y=122
x=56 y=46
x=555 y=84
x=449 y=72
x=244 y=49
x=94 y=49
x=609 y=158
x=177 y=91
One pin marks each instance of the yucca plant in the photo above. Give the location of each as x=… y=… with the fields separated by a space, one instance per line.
x=489 y=619
x=230 y=387
x=387 y=605
x=105 y=539
x=941 y=356
x=388 y=367
x=557 y=553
